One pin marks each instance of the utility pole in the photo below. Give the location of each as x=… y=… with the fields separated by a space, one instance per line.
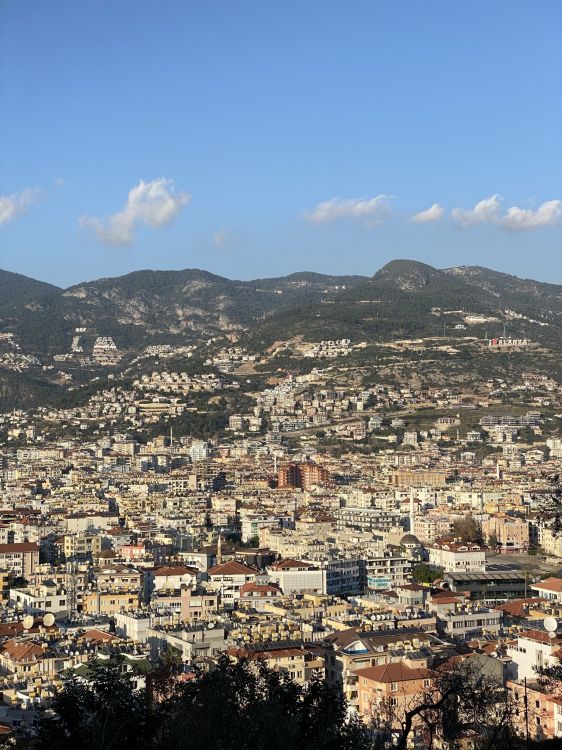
x=71 y=575
x=526 y=704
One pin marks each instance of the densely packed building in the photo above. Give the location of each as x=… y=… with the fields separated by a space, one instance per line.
x=332 y=529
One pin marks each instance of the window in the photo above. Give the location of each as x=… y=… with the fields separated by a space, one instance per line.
x=394 y=686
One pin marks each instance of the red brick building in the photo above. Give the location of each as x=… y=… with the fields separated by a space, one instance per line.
x=303 y=475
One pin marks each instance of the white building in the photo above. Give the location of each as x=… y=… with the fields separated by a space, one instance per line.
x=228 y=578
x=40 y=600
x=458 y=557
x=168 y=578
x=387 y=571
x=296 y=577
x=550 y=588
x=199 y=451
x=534 y=650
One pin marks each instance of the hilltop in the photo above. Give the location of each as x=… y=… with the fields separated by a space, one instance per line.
x=405 y=299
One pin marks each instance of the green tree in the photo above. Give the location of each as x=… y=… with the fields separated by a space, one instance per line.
x=104 y=712
x=423 y=573
x=239 y=705
x=468 y=529
x=462 y=707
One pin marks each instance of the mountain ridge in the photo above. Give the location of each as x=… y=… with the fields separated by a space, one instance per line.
x=152 y=306
x=47 y=333
x=387 y=269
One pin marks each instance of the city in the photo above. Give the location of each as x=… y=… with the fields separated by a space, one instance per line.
x=350 y=523
x=280 y=375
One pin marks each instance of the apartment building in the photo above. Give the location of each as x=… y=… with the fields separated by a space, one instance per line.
x=21 y=559
x=457 y=557
x=511 y=534
x=40 y=600
x=109 y=602
x=389 y=690
x=168 y=578
x=228 y=578
x=82 y=546
x=387 y=571
x=303 y=475
x=296 y=577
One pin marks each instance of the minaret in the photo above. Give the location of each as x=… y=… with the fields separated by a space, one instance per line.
x=219 y=550
x=412 y=510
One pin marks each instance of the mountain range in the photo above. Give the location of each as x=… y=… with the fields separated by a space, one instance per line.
x=170 y=306
x=404 y=299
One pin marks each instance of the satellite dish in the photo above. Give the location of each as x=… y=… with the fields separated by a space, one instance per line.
x=210 y=626
x=550 y=624
x=28 y=622
x=49 y=620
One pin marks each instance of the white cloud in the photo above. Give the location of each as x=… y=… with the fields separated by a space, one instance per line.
x=547 y=215
x=153 y=204
x=489 y=211
x=59 y=182
x=221 y=238
x=485 y=211
x=371 y=211
x=433 y=213
x=12 y=206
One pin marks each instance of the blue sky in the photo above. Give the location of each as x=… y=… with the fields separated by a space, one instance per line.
x=260 y=138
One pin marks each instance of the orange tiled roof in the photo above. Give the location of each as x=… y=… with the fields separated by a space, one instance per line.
x=259 y=588
x=175 y=570
x=549 y=584
x=22 y=650
x=394 y=672
x=232 y=568
x=541 y=636
x=518 y=607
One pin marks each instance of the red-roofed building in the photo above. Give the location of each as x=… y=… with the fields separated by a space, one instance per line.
x=21 y=559
x=388 y=690
x=256 y=595
x=228 y=578
x=21 y=657
x=457 y=557
x=550 y=588
x=534 y=649
x=518 y=609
